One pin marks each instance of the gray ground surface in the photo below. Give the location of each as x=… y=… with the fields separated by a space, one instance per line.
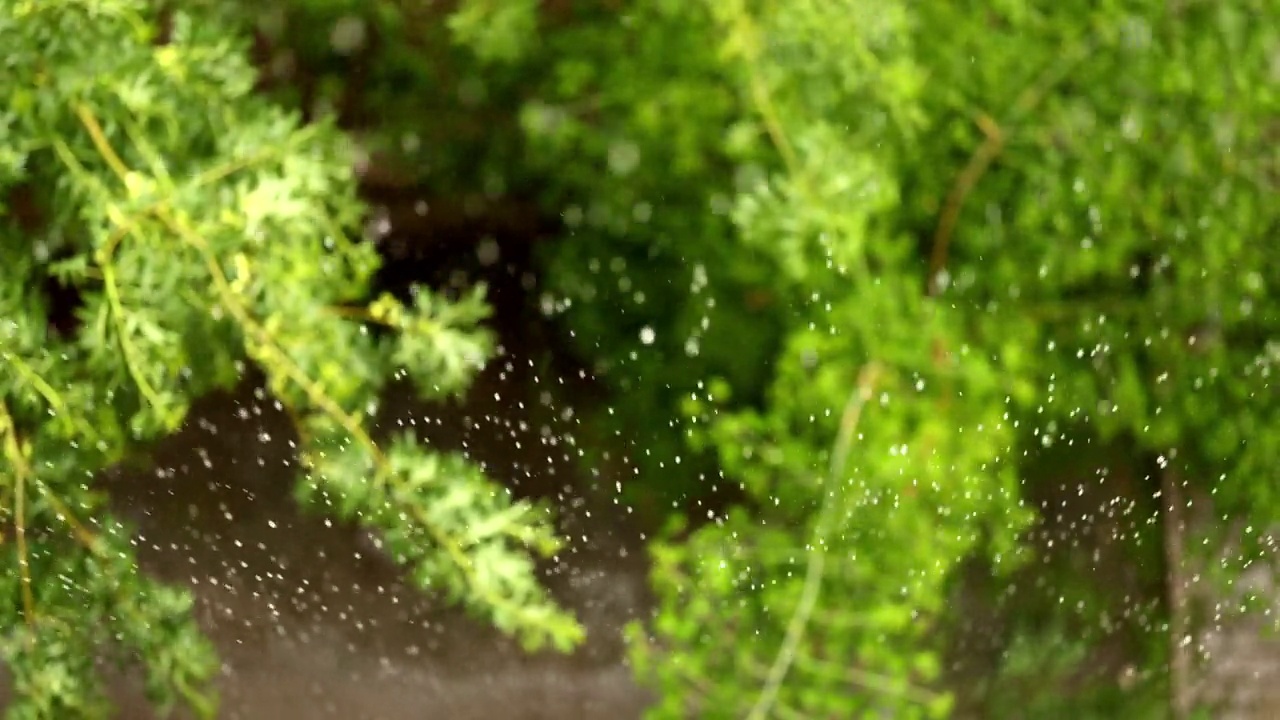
x=312 y=622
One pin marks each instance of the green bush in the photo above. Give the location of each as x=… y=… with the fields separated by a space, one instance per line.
x=1037 y=223
x=859 y=263
x=163 y=225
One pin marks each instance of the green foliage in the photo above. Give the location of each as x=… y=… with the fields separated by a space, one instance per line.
x=189 y=224
x=495 y=31
x=1039 y=667
x=860 y=261
x=1033 y=217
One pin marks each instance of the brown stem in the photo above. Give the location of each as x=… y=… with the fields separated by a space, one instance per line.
x=965 y=181
x=988 y=151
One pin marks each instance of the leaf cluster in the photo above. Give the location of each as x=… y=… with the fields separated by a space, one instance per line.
x=1028 y=218
x=162 y=225
x=1036 y=218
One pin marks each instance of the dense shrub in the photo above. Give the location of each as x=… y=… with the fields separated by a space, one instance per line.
x=162 y=225
x=863 y=265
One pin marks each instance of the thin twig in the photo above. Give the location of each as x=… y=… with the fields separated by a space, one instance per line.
x=973 y=171
x=867 y=379
x=263 y=338
x=20 y=531
x=13 y=452
x=773 y=126
x=995 y=137
x=50 y=395
x=22 y=469
x=100 y=141
x=115 y=307
x=206 y=177
x=267 y=344
x=83 y=535
x=865 y=679
x=749 y=36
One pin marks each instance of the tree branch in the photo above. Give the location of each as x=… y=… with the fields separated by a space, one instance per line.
x=867 y=379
